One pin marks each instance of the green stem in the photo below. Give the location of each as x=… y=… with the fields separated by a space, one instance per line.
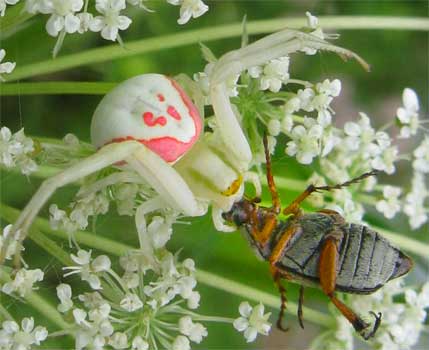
x=268 y=299
x=56 y=88
x=112 y=52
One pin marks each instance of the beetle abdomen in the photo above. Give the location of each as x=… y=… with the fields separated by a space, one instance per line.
x=366 y=260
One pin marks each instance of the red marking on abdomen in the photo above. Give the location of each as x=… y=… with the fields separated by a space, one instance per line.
x=149 y=120
x=161 y=97
x=173 y=112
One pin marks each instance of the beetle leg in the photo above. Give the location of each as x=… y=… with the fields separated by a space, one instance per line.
x=275 y=256
x=300 y=303
x=276 y=206
x=294 y=209
x=328 y=275
x=270 y=223
x=277 y=274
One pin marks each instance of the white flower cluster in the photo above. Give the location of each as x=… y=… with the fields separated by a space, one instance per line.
x=14 y=337
x=402 y=323
x=91 y=205
x=72 y=16
x=23 y=282
x=145 y=305
x=16 y=150
x=96 y=198
x=272 y=75
x=5 y=67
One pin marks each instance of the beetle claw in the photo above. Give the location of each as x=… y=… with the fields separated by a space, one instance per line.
x=376 y=325
x=280 y=326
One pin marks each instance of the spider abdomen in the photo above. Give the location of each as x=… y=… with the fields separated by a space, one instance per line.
x=152 y=109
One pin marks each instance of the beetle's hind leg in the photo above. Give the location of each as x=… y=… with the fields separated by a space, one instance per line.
x=277 y=275
x=328 y=276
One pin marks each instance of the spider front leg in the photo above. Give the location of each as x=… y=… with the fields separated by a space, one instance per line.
x=158 y=173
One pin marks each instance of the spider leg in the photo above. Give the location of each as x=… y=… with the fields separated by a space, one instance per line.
x=166 y=181
x=273 y=46
x=106 y=156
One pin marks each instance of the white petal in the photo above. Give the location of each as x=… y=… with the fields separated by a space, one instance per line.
x=245 y=309
x=410 y=100
x=101 y=263
x=250 y=334
x=27 y=324
x=123 y=22
x=109 y=33
x=71 y=23
x=240 y=324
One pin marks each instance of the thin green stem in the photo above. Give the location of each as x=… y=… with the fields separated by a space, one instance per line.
x=56 y=88
x=132 y=48
x=268 y=299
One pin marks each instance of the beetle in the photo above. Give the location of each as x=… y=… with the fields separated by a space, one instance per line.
x=319 y=249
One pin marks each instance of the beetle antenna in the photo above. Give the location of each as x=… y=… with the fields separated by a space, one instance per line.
x=347 y=183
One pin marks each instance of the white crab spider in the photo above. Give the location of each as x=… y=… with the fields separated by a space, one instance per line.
x=149 y=124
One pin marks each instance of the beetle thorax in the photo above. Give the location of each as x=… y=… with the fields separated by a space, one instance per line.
x=152 y=109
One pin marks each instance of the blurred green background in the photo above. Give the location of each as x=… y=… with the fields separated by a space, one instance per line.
x=398 y=59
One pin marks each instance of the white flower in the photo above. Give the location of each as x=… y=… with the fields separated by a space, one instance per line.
x=274 y=127
x=414 y=201
x=421 y=156
x=3 y=4
x=15 y=150
x=139 y=344
x=181 y=343
x=408 y=114
x=88 y=269
x=195 y=331
x=63 y=16
x=305 y=142
x=64 y=293
x=305 y=97
x=111 y=22
x=38 y=6
x=189 y=8
x=86 y=20
x=119 y=340
x=23 y=282
x=390 y=205
x=11 y=337
x=252 y=321
x=385 y=161
x=160 y=230
x=313 y=23
x=273 y=74
x=131 y=303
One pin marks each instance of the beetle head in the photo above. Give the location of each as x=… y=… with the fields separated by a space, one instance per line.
x=240 y=212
